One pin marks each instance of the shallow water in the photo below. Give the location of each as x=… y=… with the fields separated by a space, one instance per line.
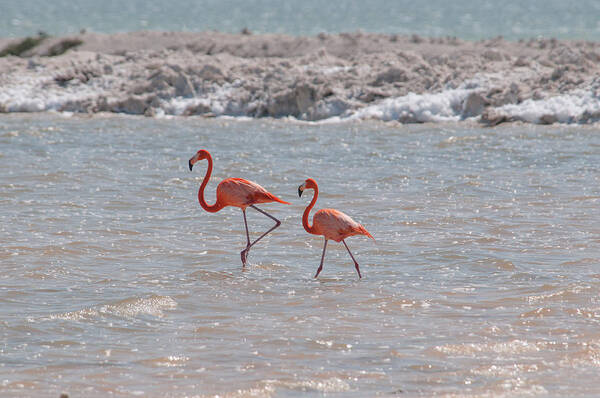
x=483 y=279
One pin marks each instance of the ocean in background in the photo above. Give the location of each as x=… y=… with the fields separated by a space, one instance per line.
x=483 y=279
x=465 y=19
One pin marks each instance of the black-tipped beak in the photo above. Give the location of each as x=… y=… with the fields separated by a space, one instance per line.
x=190 y=164
x=299 y=192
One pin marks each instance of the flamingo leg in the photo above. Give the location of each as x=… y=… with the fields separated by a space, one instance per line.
x=322 y=258
x=355 y=262
x=244 y=253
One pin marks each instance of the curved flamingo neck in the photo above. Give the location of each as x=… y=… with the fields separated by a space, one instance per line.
x=310 y=228
x=210 y=208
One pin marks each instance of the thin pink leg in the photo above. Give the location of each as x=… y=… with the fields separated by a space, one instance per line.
x=322 y=258
x=355 y=263
x=244 y=253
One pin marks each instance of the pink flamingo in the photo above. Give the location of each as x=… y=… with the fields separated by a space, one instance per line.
x=236 y=192
x=330 y=223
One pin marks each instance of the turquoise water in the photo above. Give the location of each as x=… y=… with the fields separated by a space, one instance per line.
x=466 y=19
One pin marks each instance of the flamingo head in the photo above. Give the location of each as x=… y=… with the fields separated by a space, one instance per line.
x=200 y=155
x=308 y=184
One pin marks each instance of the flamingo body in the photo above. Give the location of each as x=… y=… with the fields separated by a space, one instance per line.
x=235 y=192
x=332 y=224
x=337 y=226
x=243 y=193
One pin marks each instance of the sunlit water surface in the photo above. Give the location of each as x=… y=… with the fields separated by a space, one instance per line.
x=483 y=279
x=467 y=19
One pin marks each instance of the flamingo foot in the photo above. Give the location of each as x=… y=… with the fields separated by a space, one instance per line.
x=244 y=256
x=318 y=271
x=357 y=270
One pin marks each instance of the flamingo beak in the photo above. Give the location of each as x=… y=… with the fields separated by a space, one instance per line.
x=190 y=164
x=301 y=188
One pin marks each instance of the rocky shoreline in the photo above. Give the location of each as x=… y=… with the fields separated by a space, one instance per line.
x=410 y=79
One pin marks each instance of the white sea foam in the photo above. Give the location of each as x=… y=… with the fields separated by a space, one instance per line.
x=566 y=108
x=418 y=108
x=221 y=101
x=578 y=106
x=444 y=106
x=39 y=93
x=36 y=91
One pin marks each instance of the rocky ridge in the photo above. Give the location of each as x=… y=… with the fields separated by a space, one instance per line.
x=309 y=78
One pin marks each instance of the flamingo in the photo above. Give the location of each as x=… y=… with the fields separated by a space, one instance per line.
x=330 y=223
x=236 y=192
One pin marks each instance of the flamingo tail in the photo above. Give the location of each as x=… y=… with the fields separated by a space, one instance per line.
x=276 y=199
x=364 y=231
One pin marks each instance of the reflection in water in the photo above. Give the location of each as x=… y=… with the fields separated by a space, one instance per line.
x=483 y=279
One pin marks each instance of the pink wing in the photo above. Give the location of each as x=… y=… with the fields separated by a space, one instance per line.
x=243 y=193
x=335 y=225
